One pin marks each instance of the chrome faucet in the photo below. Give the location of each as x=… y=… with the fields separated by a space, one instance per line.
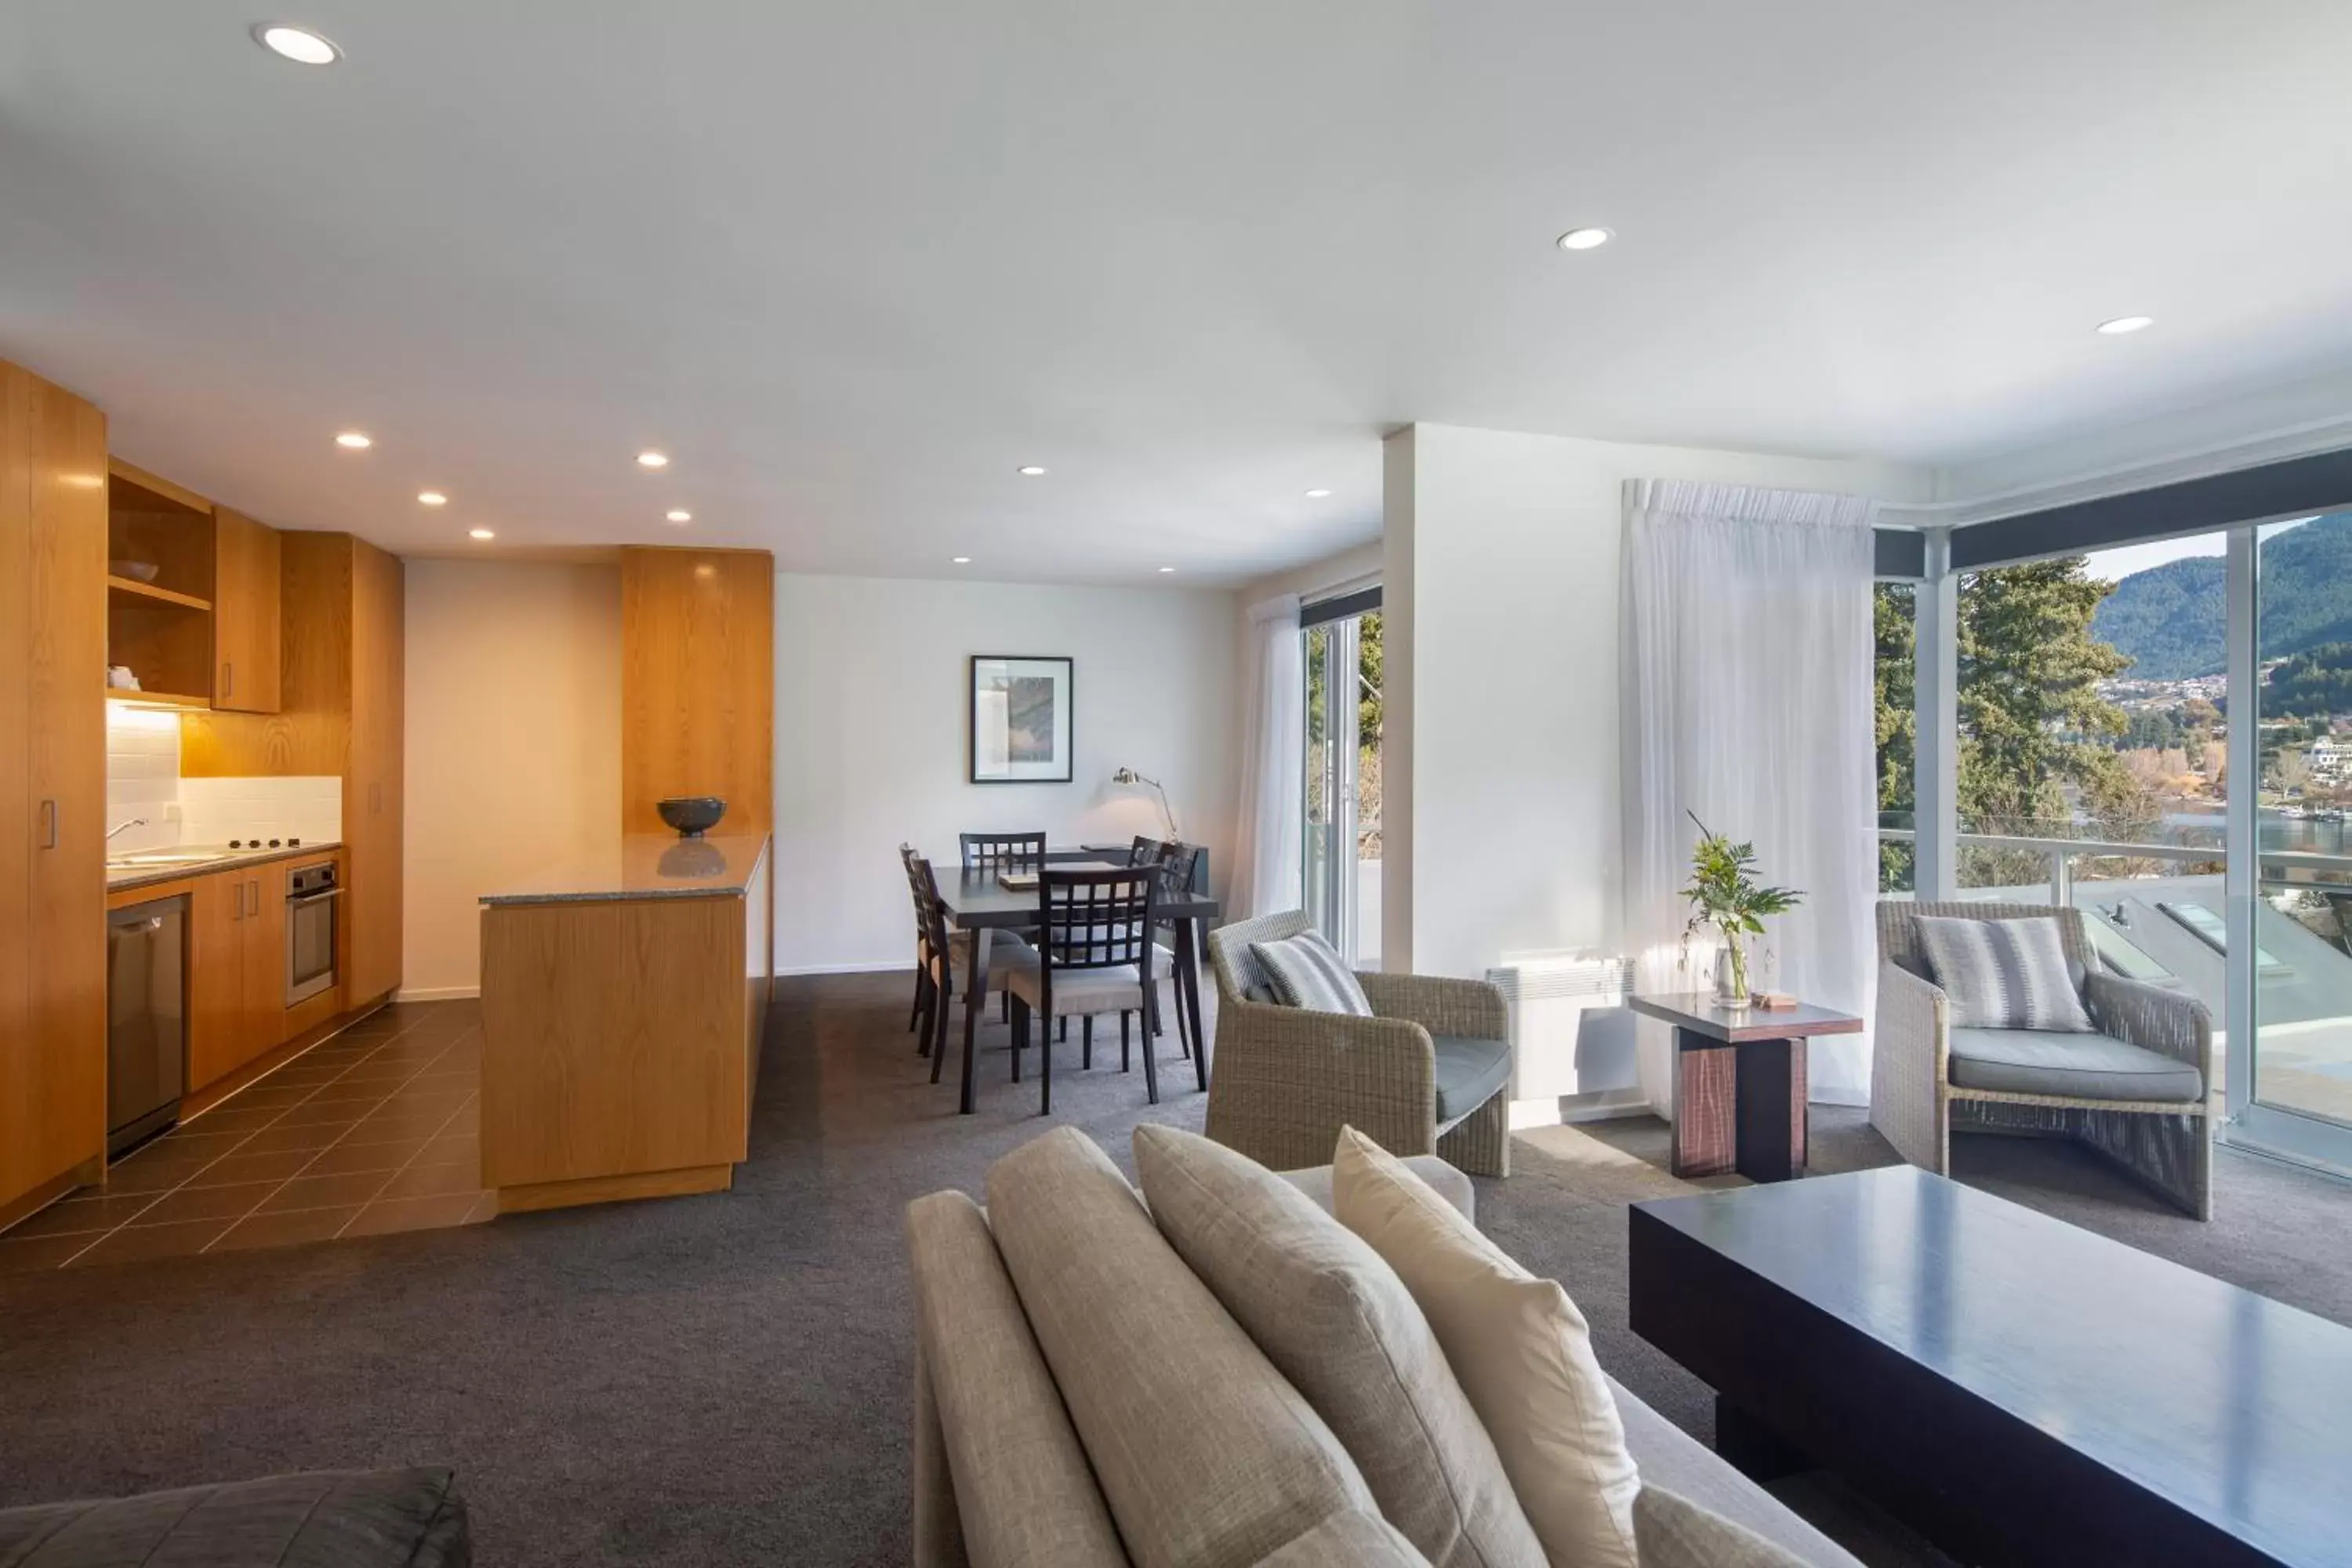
x=113 y=833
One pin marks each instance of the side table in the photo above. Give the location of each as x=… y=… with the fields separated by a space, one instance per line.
x=1740 y=1082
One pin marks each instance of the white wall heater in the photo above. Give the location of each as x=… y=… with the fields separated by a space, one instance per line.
x=1574 y=1035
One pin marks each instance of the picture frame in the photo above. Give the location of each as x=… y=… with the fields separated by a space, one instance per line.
x=1019 y=718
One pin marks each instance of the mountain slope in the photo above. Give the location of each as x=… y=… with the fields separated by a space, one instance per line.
x=2170 y=619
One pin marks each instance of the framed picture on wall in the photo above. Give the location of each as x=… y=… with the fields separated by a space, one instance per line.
x=1020 y=721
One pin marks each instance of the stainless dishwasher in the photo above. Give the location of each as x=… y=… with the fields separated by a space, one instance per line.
x=146 y=1019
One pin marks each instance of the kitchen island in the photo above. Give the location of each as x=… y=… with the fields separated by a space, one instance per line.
x=624 y=994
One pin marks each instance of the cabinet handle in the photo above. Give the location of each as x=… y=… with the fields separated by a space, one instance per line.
x=228 y=680
x=254 y=888
x=48 y=825
x=237 y=905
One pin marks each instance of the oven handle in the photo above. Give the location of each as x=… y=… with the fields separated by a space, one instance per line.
x=314 y=898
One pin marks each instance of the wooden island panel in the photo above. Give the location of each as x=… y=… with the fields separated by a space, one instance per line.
x=614 y=1035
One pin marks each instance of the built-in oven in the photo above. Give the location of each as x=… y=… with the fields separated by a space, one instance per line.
x=312 y=896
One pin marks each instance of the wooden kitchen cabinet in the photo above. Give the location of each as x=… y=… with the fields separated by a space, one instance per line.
x=246 y=631
x=340 y=713
x=53 y=608
x=697 y=683
x=236 y=970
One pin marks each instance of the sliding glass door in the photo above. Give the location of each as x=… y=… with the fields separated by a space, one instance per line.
x=1342 y=843
x=2292 y=1086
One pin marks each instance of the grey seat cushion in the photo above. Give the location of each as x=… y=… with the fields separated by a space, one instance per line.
x=1469 y=1074
x=2077 y=1066
x=323 y=1518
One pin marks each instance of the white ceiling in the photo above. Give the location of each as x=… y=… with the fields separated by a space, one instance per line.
x=852 y=263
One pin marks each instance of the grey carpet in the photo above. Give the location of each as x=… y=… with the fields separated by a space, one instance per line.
x=725 y=1379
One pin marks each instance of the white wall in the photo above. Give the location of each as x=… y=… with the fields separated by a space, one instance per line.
x=870 y=737
x=513 y=742
x=1502 y=593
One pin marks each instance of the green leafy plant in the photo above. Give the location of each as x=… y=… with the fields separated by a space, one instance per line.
x=1724 y=893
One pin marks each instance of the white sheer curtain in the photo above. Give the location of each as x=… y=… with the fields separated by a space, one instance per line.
x=1268 y=846
x=1747 y=699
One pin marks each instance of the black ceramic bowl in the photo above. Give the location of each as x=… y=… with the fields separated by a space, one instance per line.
x=692 y=815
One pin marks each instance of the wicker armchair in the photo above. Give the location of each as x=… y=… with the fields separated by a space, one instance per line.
x=1913 y=1103
x=1284 y=1080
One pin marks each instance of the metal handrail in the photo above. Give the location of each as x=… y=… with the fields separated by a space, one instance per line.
x=2062 y=852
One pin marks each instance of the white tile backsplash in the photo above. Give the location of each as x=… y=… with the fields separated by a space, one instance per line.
x=143 y=780
x=213 y=811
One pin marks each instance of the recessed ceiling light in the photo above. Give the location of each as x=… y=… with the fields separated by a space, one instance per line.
x=1585 y=239
x=960 y=559
x=2122 y=324
x=431 y=498
x=355 y=440
x=300 y=45
x=653 y=460
x=1030 y=470
x=1316 y=495
x=1167 y=569
x=480 y=533
x=678 y=514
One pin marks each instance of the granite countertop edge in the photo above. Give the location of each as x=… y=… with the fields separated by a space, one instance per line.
x=119 y=878
x=619 y=895
x=732 y=880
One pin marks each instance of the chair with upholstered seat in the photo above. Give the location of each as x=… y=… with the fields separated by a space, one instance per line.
x=2137 y=1092
x=1429 y=1074
x=1094 y=955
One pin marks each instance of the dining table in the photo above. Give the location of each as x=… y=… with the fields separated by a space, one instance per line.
x=978 y=902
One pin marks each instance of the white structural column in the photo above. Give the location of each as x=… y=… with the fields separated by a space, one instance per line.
x=1935 y=748
x=2242 y=866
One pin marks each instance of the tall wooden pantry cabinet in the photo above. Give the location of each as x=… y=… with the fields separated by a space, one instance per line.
x=52 y=791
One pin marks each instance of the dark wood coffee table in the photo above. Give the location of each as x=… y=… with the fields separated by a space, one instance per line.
x=1740 y=1082
x=2018 y=1389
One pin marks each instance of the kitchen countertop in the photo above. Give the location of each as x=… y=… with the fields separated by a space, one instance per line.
x=643 y=865
x=218 y=857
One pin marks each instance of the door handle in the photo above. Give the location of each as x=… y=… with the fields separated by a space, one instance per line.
x=48 y=825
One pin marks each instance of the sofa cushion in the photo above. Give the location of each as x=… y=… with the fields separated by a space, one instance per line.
x=1443 y=1179
x=1520 y=1349
x=1348 y=1541
x=1339 y=1324
x=1307 y=972
x=1023 y=1491
x=2004 y=974
x=1469 y=1074
x=319 y=1518
x=2077 y=1067
x=1674 y=1532
x=1672 y=1459
x=1204 y=1454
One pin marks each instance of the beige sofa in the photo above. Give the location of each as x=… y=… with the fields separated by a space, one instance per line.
x=1001 y=1476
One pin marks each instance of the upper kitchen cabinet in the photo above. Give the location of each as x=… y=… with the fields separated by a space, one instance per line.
x=339 y=714
x=159 y=585
x=193 y=596
x=53 y=618
x=697 y=683
x=247 y=632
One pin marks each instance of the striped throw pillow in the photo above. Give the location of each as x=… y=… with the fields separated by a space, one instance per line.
x=2004 y=974
x=1307 y=972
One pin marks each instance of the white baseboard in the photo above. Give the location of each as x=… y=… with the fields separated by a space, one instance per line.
x=436 y=993
x=876 y=966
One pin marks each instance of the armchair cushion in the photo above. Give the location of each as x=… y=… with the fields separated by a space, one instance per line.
x=1469 y=1074
x=2005 y=973
x=1308 y=971
x=2070 y=1066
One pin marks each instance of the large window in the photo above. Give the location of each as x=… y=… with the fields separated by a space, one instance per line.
x=2097 y=725
x=1343 y=779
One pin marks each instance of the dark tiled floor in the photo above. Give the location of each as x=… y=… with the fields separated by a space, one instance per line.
x=370 y=1132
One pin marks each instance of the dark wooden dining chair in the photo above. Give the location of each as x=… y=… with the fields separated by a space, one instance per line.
x=1002 y=852
x=1178 y=863
x=1094 y=955
x=915 y=1015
